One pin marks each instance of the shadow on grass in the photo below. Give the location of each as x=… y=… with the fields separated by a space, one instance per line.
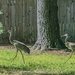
x=11 y=70
x=71 y=73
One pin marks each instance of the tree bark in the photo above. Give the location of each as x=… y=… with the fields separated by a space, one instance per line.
x=48 y=34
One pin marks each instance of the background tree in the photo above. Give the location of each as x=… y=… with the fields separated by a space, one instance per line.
x=48 y=34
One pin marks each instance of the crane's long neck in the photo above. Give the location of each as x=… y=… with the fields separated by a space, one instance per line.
x=10 y=38
x=66 y=39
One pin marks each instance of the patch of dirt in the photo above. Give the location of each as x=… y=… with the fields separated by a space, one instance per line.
x=59 y=52
x=53 y=52
x=38 y=52
x=9 y=47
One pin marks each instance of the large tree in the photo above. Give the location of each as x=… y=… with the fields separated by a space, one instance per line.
x=48 y=34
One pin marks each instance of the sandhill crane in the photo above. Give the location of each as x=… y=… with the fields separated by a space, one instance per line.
x=69 y=45
x=19 y=46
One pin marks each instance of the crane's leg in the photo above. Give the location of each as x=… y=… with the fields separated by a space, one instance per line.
x=22 y=57
x=15 y=55
x=69 y=56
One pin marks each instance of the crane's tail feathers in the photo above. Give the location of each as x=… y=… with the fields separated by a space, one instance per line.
x=69 y=56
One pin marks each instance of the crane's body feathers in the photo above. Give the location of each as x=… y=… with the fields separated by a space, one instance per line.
x=21 y=46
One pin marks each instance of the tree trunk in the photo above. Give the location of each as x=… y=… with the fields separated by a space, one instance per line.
x=48 y=34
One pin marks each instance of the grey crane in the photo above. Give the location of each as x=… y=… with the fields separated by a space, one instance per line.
x=69 y=45
x=19 y=46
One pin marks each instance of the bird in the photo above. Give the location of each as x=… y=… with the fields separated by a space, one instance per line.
x=69 y=45
x=19 y=46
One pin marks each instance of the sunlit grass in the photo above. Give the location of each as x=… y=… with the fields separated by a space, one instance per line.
x=52 y=64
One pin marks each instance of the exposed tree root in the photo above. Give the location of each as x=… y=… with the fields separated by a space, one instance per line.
x=37 y=46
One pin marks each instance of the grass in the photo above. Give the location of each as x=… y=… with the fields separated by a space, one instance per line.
x=42 y=64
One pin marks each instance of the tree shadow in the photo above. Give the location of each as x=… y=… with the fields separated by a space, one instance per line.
x=27 y=72
x=8 y=68
x=70 y=73
x=32 y=73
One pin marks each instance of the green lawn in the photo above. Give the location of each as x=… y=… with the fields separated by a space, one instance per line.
x=42 y=64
